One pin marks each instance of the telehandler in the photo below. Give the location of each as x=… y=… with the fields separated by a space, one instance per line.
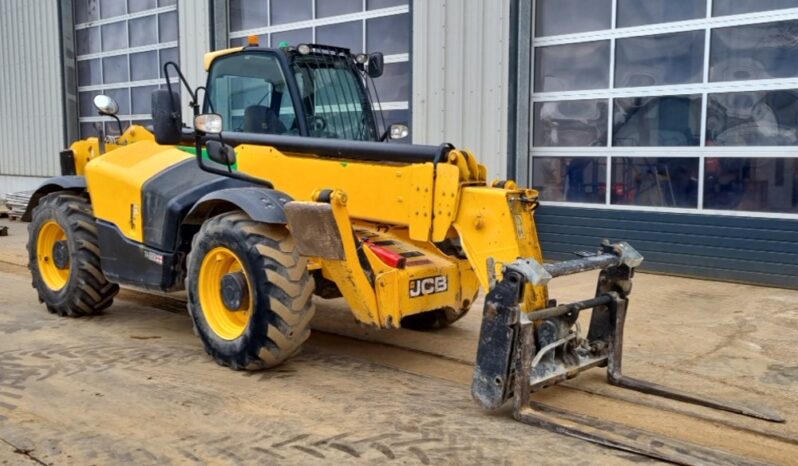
x=286 y=187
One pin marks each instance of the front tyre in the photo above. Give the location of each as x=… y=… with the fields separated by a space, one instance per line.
x=64 y=257
x=249 y=292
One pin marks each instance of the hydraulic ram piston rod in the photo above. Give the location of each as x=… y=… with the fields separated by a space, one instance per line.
x=571 y=267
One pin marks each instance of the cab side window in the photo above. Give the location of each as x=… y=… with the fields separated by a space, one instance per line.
x=250 y=93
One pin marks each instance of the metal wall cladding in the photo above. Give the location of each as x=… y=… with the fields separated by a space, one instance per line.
x=759 y=251
x=193 y=42
x=460 y=77
x=31 y=97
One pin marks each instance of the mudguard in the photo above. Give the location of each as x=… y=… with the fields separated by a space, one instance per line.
x=59 y=183
x=261 y=204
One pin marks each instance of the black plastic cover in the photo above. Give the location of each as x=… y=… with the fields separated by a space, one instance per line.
x=169 y=196
x=130 y=263
x=67 y=158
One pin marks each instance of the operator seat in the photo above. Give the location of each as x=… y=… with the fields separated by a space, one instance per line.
x=261 y=119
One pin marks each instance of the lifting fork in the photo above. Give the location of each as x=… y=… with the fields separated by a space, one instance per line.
x=520 y=353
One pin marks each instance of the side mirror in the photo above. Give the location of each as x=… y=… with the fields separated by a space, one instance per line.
x=220 y=153
x=166 y=117
x=210 y=123
x=376 y=64
x=398 y=131
x=106 y=105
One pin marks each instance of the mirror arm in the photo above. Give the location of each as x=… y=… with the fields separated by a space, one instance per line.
x=118 y=121
x=193 y=94
x=198 y=136
x=227 y=159
x=102 y=133
x=100 y=138
x=194 y=107
x=229 y=173
x=205 y=90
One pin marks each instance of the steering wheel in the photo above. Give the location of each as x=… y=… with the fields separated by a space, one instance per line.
x=317 y=124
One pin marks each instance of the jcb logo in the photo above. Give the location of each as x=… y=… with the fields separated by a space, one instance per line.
x=429 y=285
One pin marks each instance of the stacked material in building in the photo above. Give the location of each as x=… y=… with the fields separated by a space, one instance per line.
x=17 y=203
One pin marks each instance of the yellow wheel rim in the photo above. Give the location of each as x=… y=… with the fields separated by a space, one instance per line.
x=227 y=324
x=49 y=235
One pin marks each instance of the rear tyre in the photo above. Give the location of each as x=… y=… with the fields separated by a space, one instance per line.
x=249 y=292
x=64 y=257
x=433 y=320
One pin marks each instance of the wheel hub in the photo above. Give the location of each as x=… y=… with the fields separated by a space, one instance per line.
x=235 y=293
x=61 y=255
x=224 y=293
x=52 y=255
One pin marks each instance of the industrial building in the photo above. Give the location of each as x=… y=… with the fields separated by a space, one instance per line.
x=671 y=124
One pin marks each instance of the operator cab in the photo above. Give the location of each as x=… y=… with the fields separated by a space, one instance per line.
x=310 y=90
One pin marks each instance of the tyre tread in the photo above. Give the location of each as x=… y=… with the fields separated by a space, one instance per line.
x=89 y=292
x=289 y=289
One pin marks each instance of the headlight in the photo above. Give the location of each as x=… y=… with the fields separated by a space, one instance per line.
x=399 y=131
x=210 y=123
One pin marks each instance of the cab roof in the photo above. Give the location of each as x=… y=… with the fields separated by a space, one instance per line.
x=211 y=56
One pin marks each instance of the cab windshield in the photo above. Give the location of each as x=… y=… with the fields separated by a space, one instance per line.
x=334 y=98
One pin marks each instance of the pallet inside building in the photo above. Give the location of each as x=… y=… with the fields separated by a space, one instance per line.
x=15 y=204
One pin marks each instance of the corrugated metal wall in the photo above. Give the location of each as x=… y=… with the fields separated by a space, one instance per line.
x=741 y=249
x=460 y=77
x=193 y=41
x=31 y=97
